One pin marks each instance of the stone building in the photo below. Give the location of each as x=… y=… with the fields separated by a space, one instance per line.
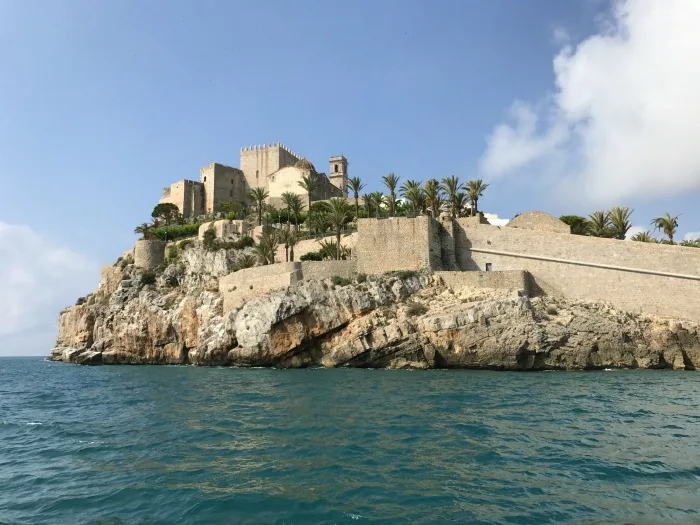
x=273 y=167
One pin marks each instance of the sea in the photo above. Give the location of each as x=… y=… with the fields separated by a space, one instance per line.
x=187 y=445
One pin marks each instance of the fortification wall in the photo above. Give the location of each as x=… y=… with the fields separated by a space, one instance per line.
x=225 y=228
x=397 y=243
x=635 y=276
x=240 y=287
x=149 y=253
x=505 y=280
x=313 y=245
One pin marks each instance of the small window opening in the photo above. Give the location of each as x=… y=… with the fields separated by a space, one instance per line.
x=205 y=178
x=336 y=168
x=489 y=267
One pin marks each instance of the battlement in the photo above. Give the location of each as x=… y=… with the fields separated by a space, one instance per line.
x=261 y=147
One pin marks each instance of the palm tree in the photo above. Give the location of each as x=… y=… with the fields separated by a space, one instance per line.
x=259 y=195
x=620 y=221
x=667 y=224
x=338 y=214
x=356 y=186
x=377 y=198
x=290 y=200
x=309 y=183
x=320 y=222
x=413 y=193
x=599 y=224
x=145 y=229
x=292 y=241
x=391 y=181
x=245 y=261
x=296 y=208
x=433 y=198
x=643 y=237
x=285 y=235
x=451 y=186
x=475 y=190
x=461 y=201
x=267 y=246
x=367 y=200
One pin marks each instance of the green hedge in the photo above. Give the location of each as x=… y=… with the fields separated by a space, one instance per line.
x=176 y=231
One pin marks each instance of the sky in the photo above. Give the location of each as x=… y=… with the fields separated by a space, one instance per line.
x=564 y=107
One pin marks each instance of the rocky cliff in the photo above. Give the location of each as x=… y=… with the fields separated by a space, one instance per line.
x=397 y=320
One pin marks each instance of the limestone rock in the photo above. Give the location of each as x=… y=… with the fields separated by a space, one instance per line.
x=390 y=322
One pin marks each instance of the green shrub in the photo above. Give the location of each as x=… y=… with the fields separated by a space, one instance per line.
x=175 y=231
x=81 y=300
x=414 y=309
x=209 y=239
x=148 y=277
x=361 y=278
x=404 y=274
x=340 y=281
x=172 y=252
x=244 y=242
x=312 y=256
x=184 y=244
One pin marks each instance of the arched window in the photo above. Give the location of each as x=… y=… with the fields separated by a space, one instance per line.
x=336 y=168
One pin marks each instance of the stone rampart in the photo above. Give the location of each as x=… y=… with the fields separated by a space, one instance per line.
x=149 y=253
x=226 y=228
x=398 y=243
x=505 y=280
x=539 y=221
x=239 y=287
x=634 y=276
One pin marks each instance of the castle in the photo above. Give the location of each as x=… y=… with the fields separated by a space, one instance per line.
x=273 y=167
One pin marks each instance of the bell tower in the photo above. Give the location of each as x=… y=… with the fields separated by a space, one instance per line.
x=339 y=173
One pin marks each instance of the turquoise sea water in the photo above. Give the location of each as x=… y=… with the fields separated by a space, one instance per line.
x=140 y=445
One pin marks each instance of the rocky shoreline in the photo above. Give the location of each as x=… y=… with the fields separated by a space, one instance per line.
x=397 y=320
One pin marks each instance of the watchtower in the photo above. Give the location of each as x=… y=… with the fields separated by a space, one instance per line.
x=339 y=173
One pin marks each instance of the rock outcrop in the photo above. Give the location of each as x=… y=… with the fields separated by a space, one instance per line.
x=400 y=320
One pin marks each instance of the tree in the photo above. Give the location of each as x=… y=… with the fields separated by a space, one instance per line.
x=667 y=224
x=579 y=225
x=267 y=246
x=409 y=191
x=433 y=198
x=643 y=237
x=225 y=207
x=245 y=261
x=475 y=190
x=145 y=229
x=378 y=199
x=356 y=186
x=599 y=224
x=620 y=221
x=338 y=211
x=166 y=212
x=391 y=181
x=292 y=241
x=451 y=186
x=460 y=203
x=320 y=222
x=295 y=209
x=369 y=206
x=259 y=196
x=309 y=183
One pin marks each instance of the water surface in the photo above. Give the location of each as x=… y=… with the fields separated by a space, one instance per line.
x=123 y=445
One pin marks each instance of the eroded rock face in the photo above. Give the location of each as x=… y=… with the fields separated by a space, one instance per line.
x=410 y=322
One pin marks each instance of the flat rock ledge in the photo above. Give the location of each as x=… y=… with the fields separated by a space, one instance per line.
x=403 y=320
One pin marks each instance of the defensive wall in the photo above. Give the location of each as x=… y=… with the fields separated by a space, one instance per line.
x=239 y=287
x=397 y=243
x=500 y=280
x=648 y=277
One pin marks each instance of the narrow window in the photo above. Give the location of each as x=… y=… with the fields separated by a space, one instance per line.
x=336 y=168
x=488 y=267
x=205 y=178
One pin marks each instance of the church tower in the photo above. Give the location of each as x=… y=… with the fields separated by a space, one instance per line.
x=339 y=173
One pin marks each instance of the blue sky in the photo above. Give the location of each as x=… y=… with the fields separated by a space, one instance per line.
x=102 y=104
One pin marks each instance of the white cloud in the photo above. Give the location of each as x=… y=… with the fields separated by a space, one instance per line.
x=691 y=236
x=560 y=36
x=37 y=279
x=624 y=120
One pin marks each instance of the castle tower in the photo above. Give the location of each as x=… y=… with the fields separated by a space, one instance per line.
x=257 y=162
x=339 y=173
